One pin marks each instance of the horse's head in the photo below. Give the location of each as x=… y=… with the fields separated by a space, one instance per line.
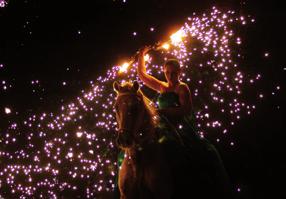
x=133 y=116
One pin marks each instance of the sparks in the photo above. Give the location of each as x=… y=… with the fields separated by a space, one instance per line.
x=3 y=3
x=123 y=68
x=7 y=110
x=75 y=145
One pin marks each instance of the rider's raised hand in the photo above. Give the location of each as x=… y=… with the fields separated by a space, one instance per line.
x=144 y=50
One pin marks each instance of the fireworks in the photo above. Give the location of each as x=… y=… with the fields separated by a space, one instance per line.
x=7 y=110
x=3 y=3
x=73 y=151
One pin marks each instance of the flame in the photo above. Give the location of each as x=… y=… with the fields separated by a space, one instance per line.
x=177 y=37
x=123 y=68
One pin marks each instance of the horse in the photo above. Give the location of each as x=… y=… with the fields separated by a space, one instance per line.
x=145 y=172
x=151 y=169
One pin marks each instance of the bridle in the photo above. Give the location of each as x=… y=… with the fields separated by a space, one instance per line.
x=143 y=134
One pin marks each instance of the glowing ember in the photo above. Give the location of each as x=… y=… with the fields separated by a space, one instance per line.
x=3 y=3
x=123 y=68
x=7 y=110
x=166 y=46
x=177 y=37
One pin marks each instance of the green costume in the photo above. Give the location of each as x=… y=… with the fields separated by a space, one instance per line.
x=204 y=160
x=185 y=127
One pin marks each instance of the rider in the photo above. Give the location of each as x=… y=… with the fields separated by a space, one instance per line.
x=175 y=111
x=174 y=101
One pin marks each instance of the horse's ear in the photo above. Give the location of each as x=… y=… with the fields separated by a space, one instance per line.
x=135 y=86
x=116 y=86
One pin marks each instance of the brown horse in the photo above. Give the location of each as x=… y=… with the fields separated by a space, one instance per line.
x=145 y=172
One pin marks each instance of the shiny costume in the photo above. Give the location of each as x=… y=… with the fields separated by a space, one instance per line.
x=185 y=127
x=205 y=164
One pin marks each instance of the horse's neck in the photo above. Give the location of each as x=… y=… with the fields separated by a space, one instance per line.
x=139 y=161
x=140 y=154
x=137 y=156
x=144 y=123
x=144 y=126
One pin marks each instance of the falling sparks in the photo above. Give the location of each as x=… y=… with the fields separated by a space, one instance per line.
x=3 y=3
x=59 y=151
x=266 y=54
x=7 y=110
x=147 y=57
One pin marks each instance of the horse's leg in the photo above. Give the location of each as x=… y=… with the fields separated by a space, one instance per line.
x=126 y=182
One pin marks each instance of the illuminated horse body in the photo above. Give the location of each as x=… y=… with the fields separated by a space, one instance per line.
x=147 y=172
x=144 y=172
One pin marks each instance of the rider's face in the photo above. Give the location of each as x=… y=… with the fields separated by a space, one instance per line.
x=171 y=73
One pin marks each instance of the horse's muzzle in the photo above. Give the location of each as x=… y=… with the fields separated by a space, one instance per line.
x=124 y=139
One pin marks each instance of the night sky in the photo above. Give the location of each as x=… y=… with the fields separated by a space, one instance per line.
x=52 y=51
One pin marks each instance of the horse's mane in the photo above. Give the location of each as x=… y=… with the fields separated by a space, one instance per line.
x=126 y=87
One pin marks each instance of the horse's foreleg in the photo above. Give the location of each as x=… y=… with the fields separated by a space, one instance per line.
x=126 y=182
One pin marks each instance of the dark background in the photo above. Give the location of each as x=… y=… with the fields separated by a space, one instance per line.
x=39 y=40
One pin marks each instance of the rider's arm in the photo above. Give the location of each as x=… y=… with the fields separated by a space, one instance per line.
x=147 y=79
